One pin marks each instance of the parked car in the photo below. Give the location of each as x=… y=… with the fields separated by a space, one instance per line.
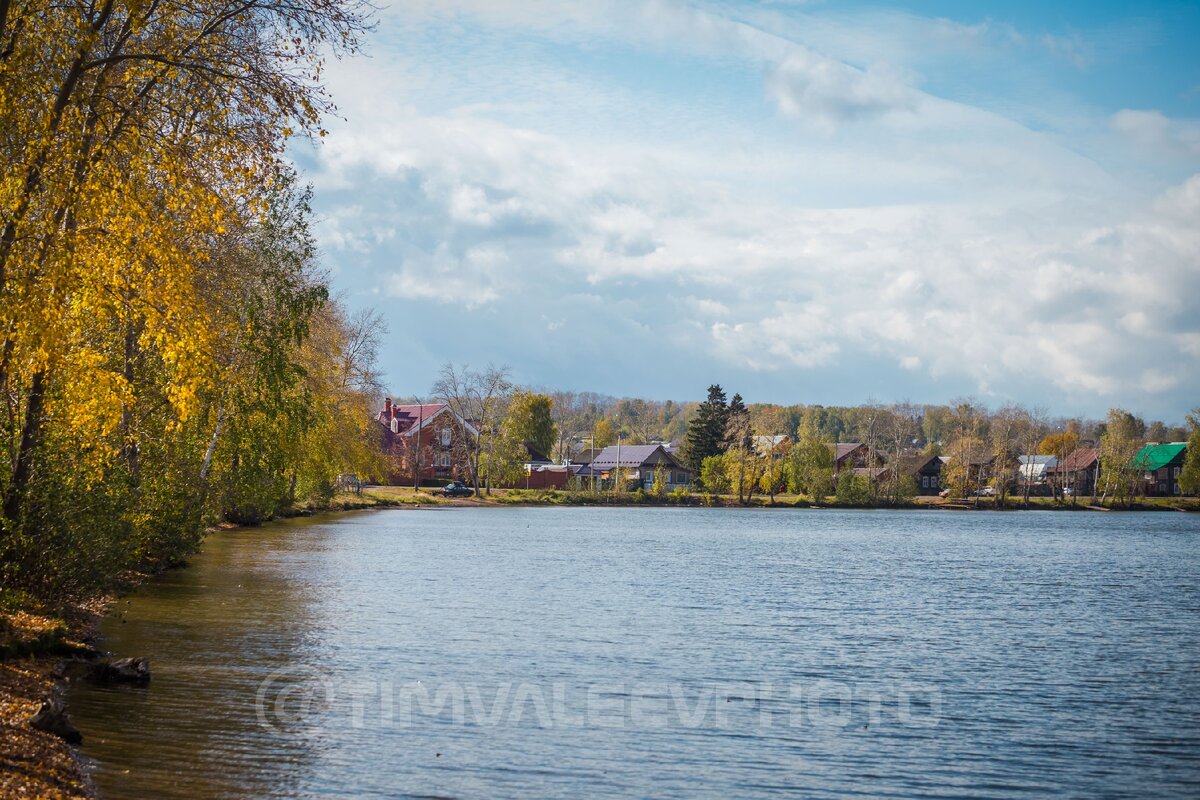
x=455 y=489
x=1067 y=491
x=987 y=491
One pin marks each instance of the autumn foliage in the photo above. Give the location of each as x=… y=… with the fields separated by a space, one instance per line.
x=169 y=353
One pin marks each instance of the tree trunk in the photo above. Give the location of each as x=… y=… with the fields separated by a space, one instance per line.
x=30 y=437
x=129 y=445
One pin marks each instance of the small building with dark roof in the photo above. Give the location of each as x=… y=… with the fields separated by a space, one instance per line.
x=637 y=463
x=926 y=471
x=853 y=455
x=1079 y=471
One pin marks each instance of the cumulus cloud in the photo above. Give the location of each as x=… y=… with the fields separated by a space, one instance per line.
x=830 y=93
x=1155 y=132
x=929 y=244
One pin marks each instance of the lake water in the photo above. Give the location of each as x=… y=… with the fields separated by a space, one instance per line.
x=619 y=652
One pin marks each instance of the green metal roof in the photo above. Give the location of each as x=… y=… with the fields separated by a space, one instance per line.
x=1156 y=456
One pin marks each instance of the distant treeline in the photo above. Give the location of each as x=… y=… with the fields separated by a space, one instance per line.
x=722 y=438
x=579 y=416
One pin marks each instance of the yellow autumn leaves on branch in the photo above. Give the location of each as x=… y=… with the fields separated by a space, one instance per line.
x=143 y=203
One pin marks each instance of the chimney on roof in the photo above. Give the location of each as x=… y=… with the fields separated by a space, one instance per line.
x=387 y=408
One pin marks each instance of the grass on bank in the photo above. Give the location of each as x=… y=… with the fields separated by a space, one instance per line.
x=407 y=496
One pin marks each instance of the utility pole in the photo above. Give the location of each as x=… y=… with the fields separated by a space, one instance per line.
x=618 y=480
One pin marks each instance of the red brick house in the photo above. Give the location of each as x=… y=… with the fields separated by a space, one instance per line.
x=429 y=435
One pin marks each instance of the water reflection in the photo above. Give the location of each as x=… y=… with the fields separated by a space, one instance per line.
x=213 y=632
x=635 y=652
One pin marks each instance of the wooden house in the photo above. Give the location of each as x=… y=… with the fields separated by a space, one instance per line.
x=926 y=471
x=1079 y=471
x=1160 y=465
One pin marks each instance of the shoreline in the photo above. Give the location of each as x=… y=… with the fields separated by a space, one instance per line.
x=407 y=497
x=33 y=659
x=35 y=650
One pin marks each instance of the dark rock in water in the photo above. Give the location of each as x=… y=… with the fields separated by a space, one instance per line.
x=123 y=670
x=52 y=717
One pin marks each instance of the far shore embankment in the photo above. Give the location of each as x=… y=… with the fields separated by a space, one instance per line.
x=406 y=496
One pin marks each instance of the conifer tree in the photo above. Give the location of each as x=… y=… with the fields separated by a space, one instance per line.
x=706 y=431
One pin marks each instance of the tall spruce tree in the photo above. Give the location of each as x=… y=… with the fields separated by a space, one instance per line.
x=706 y=431
x=736 y=410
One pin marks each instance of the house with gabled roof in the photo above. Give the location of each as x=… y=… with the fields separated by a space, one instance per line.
x=1035 y=469
x=1079 y=471
x=926 y=472
x=637 y=464
x=1160 y=465
x=853 y=455
x=428 y=438
x=535 y=456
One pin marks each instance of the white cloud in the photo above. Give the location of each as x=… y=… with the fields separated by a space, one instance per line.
x=1190 y=343
x=799 y=337
x=1152 y=130
x=829 y=93
x=1156 y=381
x=706 y=307
x=943 y=240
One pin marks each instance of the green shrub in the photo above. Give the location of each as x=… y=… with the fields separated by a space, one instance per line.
x=714 y=475
x=852 y=489
x=660 y=482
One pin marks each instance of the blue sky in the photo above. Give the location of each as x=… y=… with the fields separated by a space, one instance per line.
x=815 y=202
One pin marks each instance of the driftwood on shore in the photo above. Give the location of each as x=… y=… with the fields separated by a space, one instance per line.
x=134 y=671
x=53 y=718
